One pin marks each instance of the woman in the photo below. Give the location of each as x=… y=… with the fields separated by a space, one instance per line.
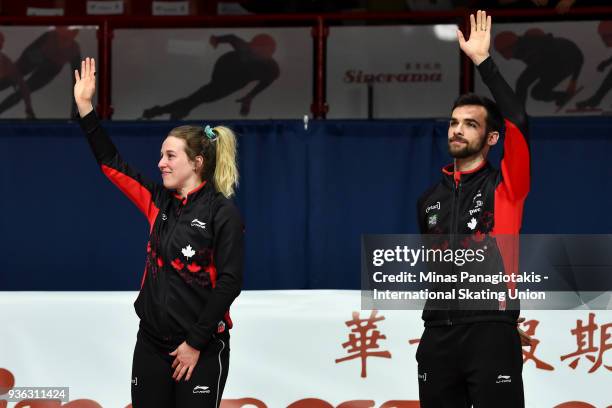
x=194 y=257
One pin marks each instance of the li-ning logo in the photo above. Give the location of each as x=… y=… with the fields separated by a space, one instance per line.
x=164 y=217
x=423 y=377
x=135 y=381
x=436 y=206
x=503 y=379
x=198 y=224
x=201 y=389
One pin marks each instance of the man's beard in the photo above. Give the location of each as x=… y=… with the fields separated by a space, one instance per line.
x=466 y=150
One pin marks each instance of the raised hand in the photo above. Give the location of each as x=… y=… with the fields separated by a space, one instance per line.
x=85 y=86
x=477 y=47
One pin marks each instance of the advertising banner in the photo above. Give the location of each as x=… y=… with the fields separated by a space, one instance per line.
x=392 y=71
x=221 y=73
x=559 y=68
x=299 y=348
x=37 y=69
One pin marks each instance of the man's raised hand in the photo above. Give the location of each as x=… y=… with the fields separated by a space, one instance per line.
x=477 y=47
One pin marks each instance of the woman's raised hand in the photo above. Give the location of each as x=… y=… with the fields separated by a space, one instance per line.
x=85 y=86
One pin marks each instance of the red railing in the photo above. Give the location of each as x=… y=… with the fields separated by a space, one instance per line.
x=319 y=23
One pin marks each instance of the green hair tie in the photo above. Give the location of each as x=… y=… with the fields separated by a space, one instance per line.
x=210 y=133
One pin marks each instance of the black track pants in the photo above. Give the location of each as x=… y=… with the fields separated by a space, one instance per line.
x=153 y=386
x=478 y=364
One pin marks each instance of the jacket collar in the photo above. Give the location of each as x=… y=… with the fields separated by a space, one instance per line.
x=463 y=176
x=192 y=194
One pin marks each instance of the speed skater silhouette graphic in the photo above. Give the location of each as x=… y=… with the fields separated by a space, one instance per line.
x=247 y=62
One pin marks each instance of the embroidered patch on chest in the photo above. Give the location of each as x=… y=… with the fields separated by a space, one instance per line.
x=432 y=220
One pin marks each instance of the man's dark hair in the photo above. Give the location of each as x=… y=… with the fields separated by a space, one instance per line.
x=494 y=119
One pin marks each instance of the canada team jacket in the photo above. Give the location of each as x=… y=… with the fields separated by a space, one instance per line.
x=194 y=260
x=482 y=206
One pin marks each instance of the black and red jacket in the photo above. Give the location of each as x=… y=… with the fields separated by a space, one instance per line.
x=195 y=251
x=484 y=206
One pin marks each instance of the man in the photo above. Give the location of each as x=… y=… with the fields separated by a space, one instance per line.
x=550 y=60
x=470 y=354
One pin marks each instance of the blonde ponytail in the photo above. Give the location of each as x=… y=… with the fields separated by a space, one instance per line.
x=226 y=169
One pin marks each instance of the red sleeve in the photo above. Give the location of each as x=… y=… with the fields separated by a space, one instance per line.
x=143 y=193
x=515 y=163
x=136 y=191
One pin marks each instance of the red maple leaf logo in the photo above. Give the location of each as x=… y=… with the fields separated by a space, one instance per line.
x=177 y=264
x=194 y=267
